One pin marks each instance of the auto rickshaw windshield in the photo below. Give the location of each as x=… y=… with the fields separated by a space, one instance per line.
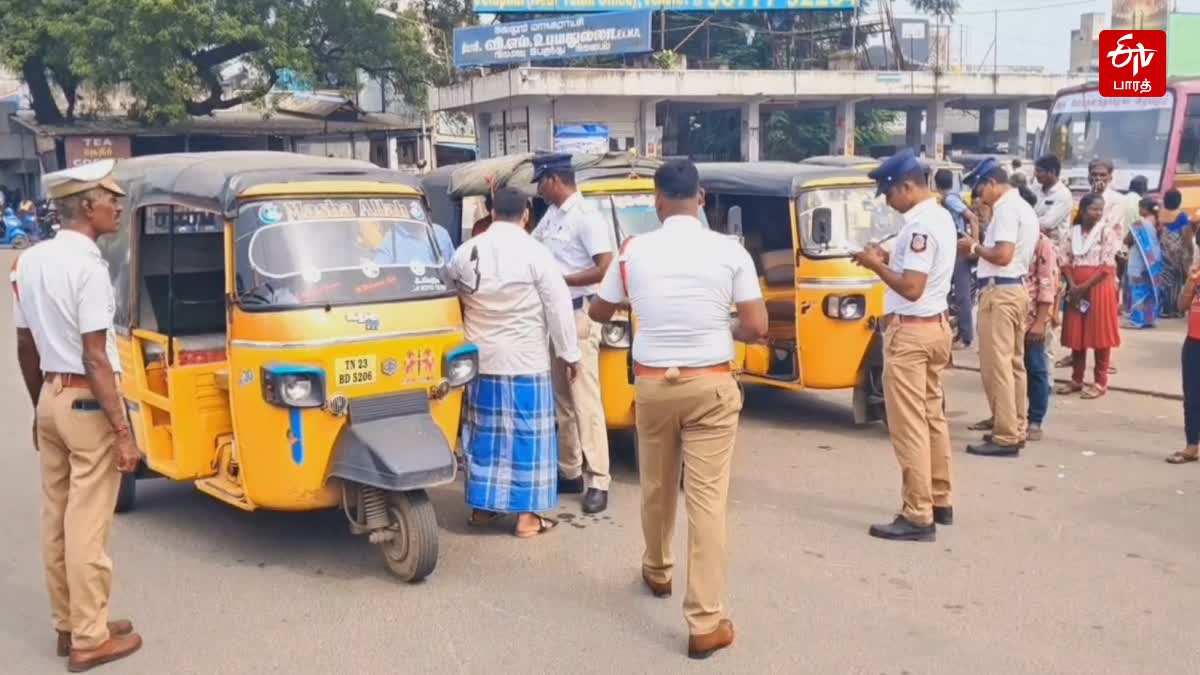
x=859 y=217
x=635 y=213
x=313 y=252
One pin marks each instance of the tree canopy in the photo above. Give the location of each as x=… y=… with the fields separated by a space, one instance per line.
x=176 y=57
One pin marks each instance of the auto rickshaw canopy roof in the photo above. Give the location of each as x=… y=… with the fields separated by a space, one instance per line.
x=516 y=171
x=774 y=179
x=213 y=181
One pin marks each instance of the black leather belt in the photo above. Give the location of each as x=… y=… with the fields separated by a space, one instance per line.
x=577 y=303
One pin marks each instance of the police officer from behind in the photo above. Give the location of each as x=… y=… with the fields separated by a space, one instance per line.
x=580 y=240
x=916 y=346
x=63 y=314
x=681 y=281
x=1004 y=259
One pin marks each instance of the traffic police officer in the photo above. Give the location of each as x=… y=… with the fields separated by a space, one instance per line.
x=580 y=240
x=916 y=346
x=681 y=281
x=63 y=313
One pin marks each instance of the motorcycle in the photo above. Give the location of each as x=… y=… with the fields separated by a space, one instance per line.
x=15 y=234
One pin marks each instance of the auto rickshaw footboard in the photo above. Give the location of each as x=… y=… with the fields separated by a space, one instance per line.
x=391 y=442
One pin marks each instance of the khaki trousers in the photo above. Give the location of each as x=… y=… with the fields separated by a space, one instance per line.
x=1002 y=360
x=582 y=432
x=693 y=420
x=79 y=492
x=914 y=356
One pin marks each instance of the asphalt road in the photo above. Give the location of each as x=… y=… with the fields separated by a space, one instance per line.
x=1082 y=556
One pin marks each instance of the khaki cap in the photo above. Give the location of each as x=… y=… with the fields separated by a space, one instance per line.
x=62 y=184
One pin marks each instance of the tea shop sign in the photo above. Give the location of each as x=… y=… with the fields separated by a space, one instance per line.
x=82 y=150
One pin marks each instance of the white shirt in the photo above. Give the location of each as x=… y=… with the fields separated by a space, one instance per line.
x=1053 y=207
x=683 y=280
x=1013 y=221
x=520 y=306
x=927 y=243
x=64 y=291
x=575 y=232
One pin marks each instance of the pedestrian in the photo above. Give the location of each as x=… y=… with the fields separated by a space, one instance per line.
x=1054 y=199
x=1004 y=260
x=681 y=281
x=581 y=241
x=515 y=302
x=1090 y=321
x=1144 y=275
x=916 y=347
x=1175 y=235
x=966 y=222
x=1041 y=286
x=1017 y=179
x=63 y=312
x=1189 y=302
x=1131 y=201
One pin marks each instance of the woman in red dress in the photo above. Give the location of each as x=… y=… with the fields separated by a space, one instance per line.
x=1089 y=253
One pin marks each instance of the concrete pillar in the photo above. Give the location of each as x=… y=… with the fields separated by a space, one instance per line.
x=1016 y=129
x=844 y=123
x=987 y=126
x=650 y=134
x=483 y=135
x=750 y=141
x=935 y=116
x=912 y=128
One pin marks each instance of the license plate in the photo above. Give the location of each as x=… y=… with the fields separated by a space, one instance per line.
x=352 y=370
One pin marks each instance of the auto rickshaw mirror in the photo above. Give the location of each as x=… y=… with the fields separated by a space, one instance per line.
x=822 y=226
x=733 y=221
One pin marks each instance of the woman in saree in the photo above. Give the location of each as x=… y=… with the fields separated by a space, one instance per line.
x=1175 y=231
x=1089 y=252
x=1145 y=270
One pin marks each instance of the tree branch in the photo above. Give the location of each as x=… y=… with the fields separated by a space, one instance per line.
x=207 y=58
x=215 y=100
x=45 y=108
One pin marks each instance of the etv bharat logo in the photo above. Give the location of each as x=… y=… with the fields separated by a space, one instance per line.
x=1133 y=63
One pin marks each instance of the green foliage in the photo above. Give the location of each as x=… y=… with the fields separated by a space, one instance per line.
x=793 y=135
x=943 y=8
x=175 y=56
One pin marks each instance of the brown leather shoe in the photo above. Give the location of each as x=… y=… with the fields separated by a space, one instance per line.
x=660 y=590
x=703 y=646
x=115 y=648
x=118 y=627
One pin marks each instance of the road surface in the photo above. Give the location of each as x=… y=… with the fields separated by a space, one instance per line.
x=1081 y=556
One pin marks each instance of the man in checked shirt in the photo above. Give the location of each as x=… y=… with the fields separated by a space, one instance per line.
x=1041 y=282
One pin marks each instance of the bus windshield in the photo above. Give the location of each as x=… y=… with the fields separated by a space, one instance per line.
x=1134 y=133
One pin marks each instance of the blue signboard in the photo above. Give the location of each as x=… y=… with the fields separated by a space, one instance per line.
x=559 y=38
x=577 y=6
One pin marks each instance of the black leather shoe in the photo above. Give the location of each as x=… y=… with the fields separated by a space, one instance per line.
x=943 y=515
x=991 y=449
x=902 y=529
x=570 y=486
x=595 y=501
x=987 y=438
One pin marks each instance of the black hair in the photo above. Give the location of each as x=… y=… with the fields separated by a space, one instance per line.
x=1106 y=163
x=1016 y=163
x=1085 y=202
x=487 y=201
x=1139 y=185
x=943 y=179
x=677 y=179
x=509 y=204
x=1026 y=194
x=1173 y=199
x=1148 y=204
x=1049 y=163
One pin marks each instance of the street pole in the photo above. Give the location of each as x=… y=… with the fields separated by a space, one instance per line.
x=996 y=41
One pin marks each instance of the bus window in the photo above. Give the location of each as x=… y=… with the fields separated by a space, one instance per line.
x=1189 y=142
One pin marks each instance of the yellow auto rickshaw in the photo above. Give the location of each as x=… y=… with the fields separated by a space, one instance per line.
x=801 y=223
x=867 y=164
x=290 y=340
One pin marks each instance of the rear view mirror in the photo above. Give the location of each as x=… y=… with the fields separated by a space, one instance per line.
x=733 y=221
x=822 y=226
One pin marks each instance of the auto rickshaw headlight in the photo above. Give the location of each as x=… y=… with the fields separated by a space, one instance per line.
x=616 y=334
x=462 y=365
x=845 y=307
x=293 y=386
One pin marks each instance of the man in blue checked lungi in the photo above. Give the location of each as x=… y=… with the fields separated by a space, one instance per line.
x=515 y=305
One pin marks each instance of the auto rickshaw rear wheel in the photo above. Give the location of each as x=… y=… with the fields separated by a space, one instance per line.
x=127 y=494
x=412 y=552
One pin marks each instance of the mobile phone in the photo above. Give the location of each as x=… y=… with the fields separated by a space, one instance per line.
x=86 y=404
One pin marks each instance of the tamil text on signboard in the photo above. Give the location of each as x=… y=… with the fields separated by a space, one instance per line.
x=560 y=38
x=88 y=149
x=576 y=6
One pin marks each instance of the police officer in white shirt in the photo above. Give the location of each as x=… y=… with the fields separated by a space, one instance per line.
x=1004 y=259
x=681 y=281
x=916 y=346
x=1054 y=200
x=63 y=314
x=581 y=241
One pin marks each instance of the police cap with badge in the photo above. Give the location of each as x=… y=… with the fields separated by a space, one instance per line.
x=552 y=164
x=894 y=170
x=80 y=179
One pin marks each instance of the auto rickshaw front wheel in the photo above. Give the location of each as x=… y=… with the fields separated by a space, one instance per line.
x=410 y=543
